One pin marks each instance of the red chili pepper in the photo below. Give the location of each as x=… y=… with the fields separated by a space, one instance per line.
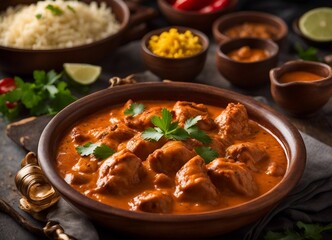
x=215 y=6
x=191 y=5
x=7 y=85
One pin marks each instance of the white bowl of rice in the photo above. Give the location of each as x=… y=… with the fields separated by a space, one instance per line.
x=46 y=34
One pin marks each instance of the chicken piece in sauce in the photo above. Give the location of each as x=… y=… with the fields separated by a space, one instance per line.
x=233 y=122
x=117 y=132
x=248 y=153
x=79 y=136
x=185 y=110
x=142 y=148
x=161 y=180
x=170 y=158
x=86 y=165
x=235 y=176
x=120 y=172
x=193 y=183
x=152 y=201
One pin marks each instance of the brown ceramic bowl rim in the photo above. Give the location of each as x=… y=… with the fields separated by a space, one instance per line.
x=203 y=38
x=294 y=63
x=269 y=42
x=123 y=26
x=296 y=156
x=167 y=5
x=283 y=29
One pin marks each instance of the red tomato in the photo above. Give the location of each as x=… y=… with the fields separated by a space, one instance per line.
x=191 y=5
x=11 y=105
x=7 y=85
x=214 y=6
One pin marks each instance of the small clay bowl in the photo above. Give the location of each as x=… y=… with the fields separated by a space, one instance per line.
x=175 y=69
x=200 y=21
x=230 y=20
x=247 y=74
x=302 y=98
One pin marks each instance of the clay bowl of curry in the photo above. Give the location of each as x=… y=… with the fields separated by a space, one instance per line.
x=175 y=53
x=246 y=62
x=200 y=17
x=252 y=24
x=46 y=36
x=301 y=87
x=187 y=160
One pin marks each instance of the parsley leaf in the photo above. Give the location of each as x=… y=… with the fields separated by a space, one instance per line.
x=207 y=153
x=71 y=8
x=47 y=94
x=195 y=132
x=134 y=109
x=100 y=151
x=302 y=231
x=87 y=148
x=164 y=127
x=103 y=151
x=39 y=16
x=56 y=11
x=309 y=54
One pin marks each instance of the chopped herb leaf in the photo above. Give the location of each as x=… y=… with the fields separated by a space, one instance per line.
x=309 y=54
x=195 y=132
x=301 y=231
x=100 y=151
x=56 y=11
x=134 y=109
x=87 y=148
x=39 y=16
x=207 y=153
x=103 y=151
x=71 y=8
x=164 y=127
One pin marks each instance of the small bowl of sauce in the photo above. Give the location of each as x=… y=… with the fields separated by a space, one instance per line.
x=301 y=87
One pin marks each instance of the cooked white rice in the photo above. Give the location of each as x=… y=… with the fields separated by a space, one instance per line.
x=37 y=27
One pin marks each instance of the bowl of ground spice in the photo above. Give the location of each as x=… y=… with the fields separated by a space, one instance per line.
x=175 y=53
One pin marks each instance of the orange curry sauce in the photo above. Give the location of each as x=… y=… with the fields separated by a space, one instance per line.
x=299 y=76
x=266 y=171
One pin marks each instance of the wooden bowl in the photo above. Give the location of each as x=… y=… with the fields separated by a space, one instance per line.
x=246 y=74
x=302 y=98
x=201 y=225
x=200 y=21
x=25 y=61
x=230 y=20
x=176 y=69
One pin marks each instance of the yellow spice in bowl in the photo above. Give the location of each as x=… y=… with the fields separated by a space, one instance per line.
x=172 y=44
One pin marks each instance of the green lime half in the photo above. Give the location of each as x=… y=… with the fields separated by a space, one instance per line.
x=82 y=73
x=316 y=24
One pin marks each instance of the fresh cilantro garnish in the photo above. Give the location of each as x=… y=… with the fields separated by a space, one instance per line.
x=134 y=109
x=100 y=151
x=309 y=54
x=164 y=127
x=39 y=16
x=207 y=153
x=71 y=8
x=103 y=151
x=55 y=10
x=46 y=95
x=302 y=231
x=195 y=132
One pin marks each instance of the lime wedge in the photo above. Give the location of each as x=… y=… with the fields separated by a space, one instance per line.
x=82 y=73
x=316 y=24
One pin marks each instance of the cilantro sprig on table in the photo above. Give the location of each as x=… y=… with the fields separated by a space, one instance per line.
x=302 y=231
x=47 y=94
x=134 y=109
x=100 y=151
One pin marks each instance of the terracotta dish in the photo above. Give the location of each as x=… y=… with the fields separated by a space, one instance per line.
x=24 y=61
x=197 y=225
x=228 y=21
x=176 y=69
x=302 y=97
x=246 y=74
x=192 y=19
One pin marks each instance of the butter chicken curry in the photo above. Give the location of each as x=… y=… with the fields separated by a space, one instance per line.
x=171 y=157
